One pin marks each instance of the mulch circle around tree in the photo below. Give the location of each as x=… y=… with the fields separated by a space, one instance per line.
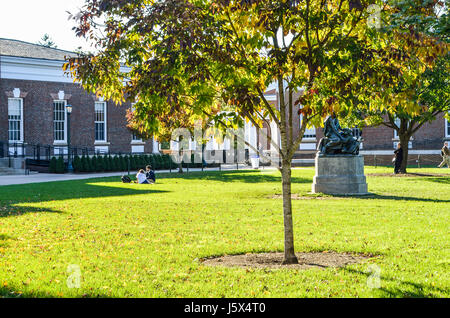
x=309 y=260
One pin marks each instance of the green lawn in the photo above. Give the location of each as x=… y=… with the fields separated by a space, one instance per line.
x=134 y=240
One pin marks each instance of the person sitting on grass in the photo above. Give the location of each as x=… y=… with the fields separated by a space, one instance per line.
x=141 y=177
x=150 y=174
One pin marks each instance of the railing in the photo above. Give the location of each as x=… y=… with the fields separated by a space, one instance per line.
x=422 y=144
x=40 y=154
x=46 y=152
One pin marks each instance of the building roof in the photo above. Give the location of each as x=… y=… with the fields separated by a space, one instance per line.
x=18 y=48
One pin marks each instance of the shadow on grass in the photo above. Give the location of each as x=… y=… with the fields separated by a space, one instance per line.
x=4 y=237
x=13 y=199
x=443 y=180
x=7 y=292
x=406 y=290
x=246 y=176
x=400 y=198
x=387 y=197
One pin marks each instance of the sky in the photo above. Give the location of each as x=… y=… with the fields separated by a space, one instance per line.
x=29 y=20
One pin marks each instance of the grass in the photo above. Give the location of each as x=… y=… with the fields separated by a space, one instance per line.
x=132 y=240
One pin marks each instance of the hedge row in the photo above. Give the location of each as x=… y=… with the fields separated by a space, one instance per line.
x=108 y=163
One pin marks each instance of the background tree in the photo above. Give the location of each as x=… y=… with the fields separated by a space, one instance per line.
x=213 y=60
x=419 y=71
x=430 y=92
x=47 y=41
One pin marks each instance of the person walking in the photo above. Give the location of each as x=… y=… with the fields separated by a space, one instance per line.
x=398 y=158
x=445 y=153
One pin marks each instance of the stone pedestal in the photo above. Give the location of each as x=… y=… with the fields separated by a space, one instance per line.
x=340 y=174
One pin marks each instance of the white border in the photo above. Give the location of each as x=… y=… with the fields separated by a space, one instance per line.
x=60 y=142
x=105 y=140
x=21 y=120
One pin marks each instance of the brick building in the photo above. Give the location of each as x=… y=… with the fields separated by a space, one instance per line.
x=34 y=93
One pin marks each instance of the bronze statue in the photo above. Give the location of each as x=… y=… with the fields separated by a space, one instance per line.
x=337 y=140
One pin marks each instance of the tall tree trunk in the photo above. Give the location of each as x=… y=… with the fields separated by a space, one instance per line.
x=404 y=141
x=289 y=254
x=286 y=141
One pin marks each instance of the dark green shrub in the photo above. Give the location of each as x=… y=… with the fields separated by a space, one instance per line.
x=148 y=160
x=100 y=164
x=76 y=164
x=89 y=164
x=117 y=163
x=143 y=161
x=158 y=162
x=161 y=161
x=166 y=161
x=84 y=164
x=108 y=165
x=60 y=166
x=126 y=163
x=152 y=161
x=93 y=165
x=130 y=162
x=137 y=162
x=52 y=166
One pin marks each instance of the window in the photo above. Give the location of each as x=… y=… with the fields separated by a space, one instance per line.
x=59 y=120
x=100 y=121
x=15 y=119
x=356 y=132
x=310 y=133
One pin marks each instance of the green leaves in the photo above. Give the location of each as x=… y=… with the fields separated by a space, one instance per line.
x=192 y=60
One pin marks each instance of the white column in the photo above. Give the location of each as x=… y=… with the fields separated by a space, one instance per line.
x=252 y=138
x=275 y=137
x=155 y=146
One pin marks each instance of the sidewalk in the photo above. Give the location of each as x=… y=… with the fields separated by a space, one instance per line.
x=50 y=177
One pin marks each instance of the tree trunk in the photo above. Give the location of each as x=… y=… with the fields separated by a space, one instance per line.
x=289 y=254
x=404 y=141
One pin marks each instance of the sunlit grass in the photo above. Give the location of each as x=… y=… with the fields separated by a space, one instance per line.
x=134 y=240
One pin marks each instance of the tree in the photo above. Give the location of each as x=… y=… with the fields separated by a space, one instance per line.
x=430 y=93
x=420 y=91
x=213 y=60
x=47 y=41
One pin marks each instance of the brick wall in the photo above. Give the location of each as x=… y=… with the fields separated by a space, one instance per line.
x=38 y=115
